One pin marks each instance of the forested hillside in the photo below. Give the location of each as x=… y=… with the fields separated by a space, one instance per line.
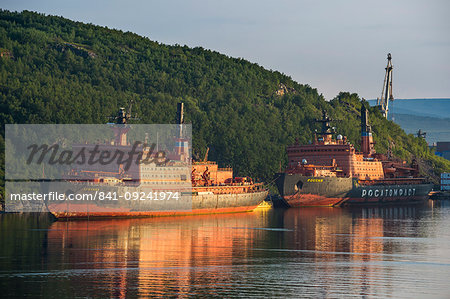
x=53 y=70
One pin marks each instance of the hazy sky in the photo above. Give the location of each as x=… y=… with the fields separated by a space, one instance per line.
x=331 y=45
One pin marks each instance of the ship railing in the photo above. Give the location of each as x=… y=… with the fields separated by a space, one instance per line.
x=233 y=188
x=204 y=163
x=390 y=181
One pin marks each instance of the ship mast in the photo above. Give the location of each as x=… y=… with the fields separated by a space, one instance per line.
x=386 y=93
x=120 y=125
x=327 y=130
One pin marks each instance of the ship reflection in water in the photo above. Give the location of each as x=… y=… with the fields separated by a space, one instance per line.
x=311 y=252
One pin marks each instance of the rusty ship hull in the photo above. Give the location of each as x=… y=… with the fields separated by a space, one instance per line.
x=305 y=191
x=203 y=202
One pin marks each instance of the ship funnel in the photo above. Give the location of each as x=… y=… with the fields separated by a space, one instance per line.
x=180 y=115
x=366 y=133
x=181 y=145
x=180 y=118
x=365 y=127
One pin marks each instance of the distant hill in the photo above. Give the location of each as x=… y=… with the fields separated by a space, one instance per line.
x=53 y=70
x=429 y=115
x=423 y=107
x=437 y=129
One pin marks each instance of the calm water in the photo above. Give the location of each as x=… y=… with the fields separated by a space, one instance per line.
x=310 y=252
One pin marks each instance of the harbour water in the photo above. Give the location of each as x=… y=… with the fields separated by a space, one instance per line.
x=394 y=251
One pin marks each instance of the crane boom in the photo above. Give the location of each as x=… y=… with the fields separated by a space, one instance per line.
x=205 y=159
x=386 y=93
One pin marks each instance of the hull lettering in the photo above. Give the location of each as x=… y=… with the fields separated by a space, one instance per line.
x=394 y=192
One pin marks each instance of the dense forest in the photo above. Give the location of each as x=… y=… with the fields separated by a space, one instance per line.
x=53 y=70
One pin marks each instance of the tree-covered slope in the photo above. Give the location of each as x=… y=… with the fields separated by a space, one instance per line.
x=54 y=70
